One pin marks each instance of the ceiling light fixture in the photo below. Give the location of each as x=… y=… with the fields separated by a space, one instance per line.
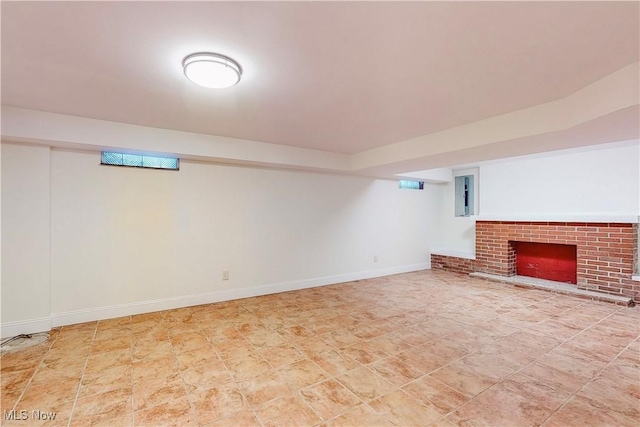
x=211 y=70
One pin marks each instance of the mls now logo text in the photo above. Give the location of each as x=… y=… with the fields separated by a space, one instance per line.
x=29 y=415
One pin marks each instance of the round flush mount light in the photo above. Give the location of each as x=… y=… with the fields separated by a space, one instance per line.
x=211 y=70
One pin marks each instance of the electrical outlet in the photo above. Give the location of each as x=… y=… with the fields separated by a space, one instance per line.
x=375 y=258
x=225 y=275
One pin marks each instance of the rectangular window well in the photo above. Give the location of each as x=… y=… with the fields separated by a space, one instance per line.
x=411 y=185
x=138 y=161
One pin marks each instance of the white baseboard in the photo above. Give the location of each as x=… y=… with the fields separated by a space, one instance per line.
x=31 y=326
x=109 y=312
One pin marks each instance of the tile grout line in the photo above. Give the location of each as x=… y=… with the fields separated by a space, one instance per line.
x=595 y=375
x=184 y=386
x=526 y=365
x=84 y=370
x=26 y=386
x=539 y=357
x=131 y=370
x=306 y=357
x=233 y=378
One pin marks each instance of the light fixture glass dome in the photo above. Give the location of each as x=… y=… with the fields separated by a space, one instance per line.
x=211 y=70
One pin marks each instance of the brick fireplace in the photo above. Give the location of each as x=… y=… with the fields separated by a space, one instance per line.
x=606 y=252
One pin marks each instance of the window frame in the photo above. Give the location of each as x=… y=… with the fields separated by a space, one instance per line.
x=403 y=184
x=142 y=160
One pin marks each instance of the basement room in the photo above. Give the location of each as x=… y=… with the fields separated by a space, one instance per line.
x=320 y=213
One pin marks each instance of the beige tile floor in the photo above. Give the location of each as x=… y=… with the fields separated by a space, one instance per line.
x=425 y=348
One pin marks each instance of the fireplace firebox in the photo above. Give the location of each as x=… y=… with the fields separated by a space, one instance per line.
x=548 y=261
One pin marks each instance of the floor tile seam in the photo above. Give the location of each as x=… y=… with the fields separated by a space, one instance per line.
x=584 y=330
x=571 y=308
x=541 y=356
x=335 y=417
x=461 y=357
x=295 y=390
x=350 y=391
x=586 y=302
x=249 y=404
x=332 y=378
x=522 y=396
x=460 y=406
x=588 y=382
x=131 y=395
x=496 y=383
x=188 y=395
x=254 y=348
x=244 y=396
x=226 y=368
x=391 y=356
x=184 y=387
x=472 y=399
x=563 y=405
x=255 y=415
x=28 y=384
x=435 y=408
x=453 y=389
x=367 y=404
x=84 y=370
x=147 y=408
x=394 y=388
x=294 y=344
x=439 y=382
x=279 y=369
x=298 y=393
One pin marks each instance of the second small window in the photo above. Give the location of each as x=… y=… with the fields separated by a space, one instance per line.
x=411 y=185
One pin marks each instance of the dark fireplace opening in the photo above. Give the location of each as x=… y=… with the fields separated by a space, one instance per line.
x=548 y=261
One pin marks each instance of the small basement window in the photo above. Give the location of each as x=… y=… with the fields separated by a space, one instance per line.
x=411 y=185
x=139 y=161
x=464 y=195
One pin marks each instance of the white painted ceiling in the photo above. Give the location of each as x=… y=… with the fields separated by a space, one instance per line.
x=343 y=77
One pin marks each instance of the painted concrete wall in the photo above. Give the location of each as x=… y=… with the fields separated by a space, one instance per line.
x=129 y=240
x=595 y=182
x=25 y=235
x=602 y=181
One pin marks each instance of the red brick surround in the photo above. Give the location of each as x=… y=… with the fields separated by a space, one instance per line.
x=606 y=252
x=454 y=264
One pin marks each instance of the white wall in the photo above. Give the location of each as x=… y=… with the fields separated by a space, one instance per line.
x=456 y=234
x=25 y=235
x=595 y=182
x=82 y=241
x=129 y=240
x=602 y=181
